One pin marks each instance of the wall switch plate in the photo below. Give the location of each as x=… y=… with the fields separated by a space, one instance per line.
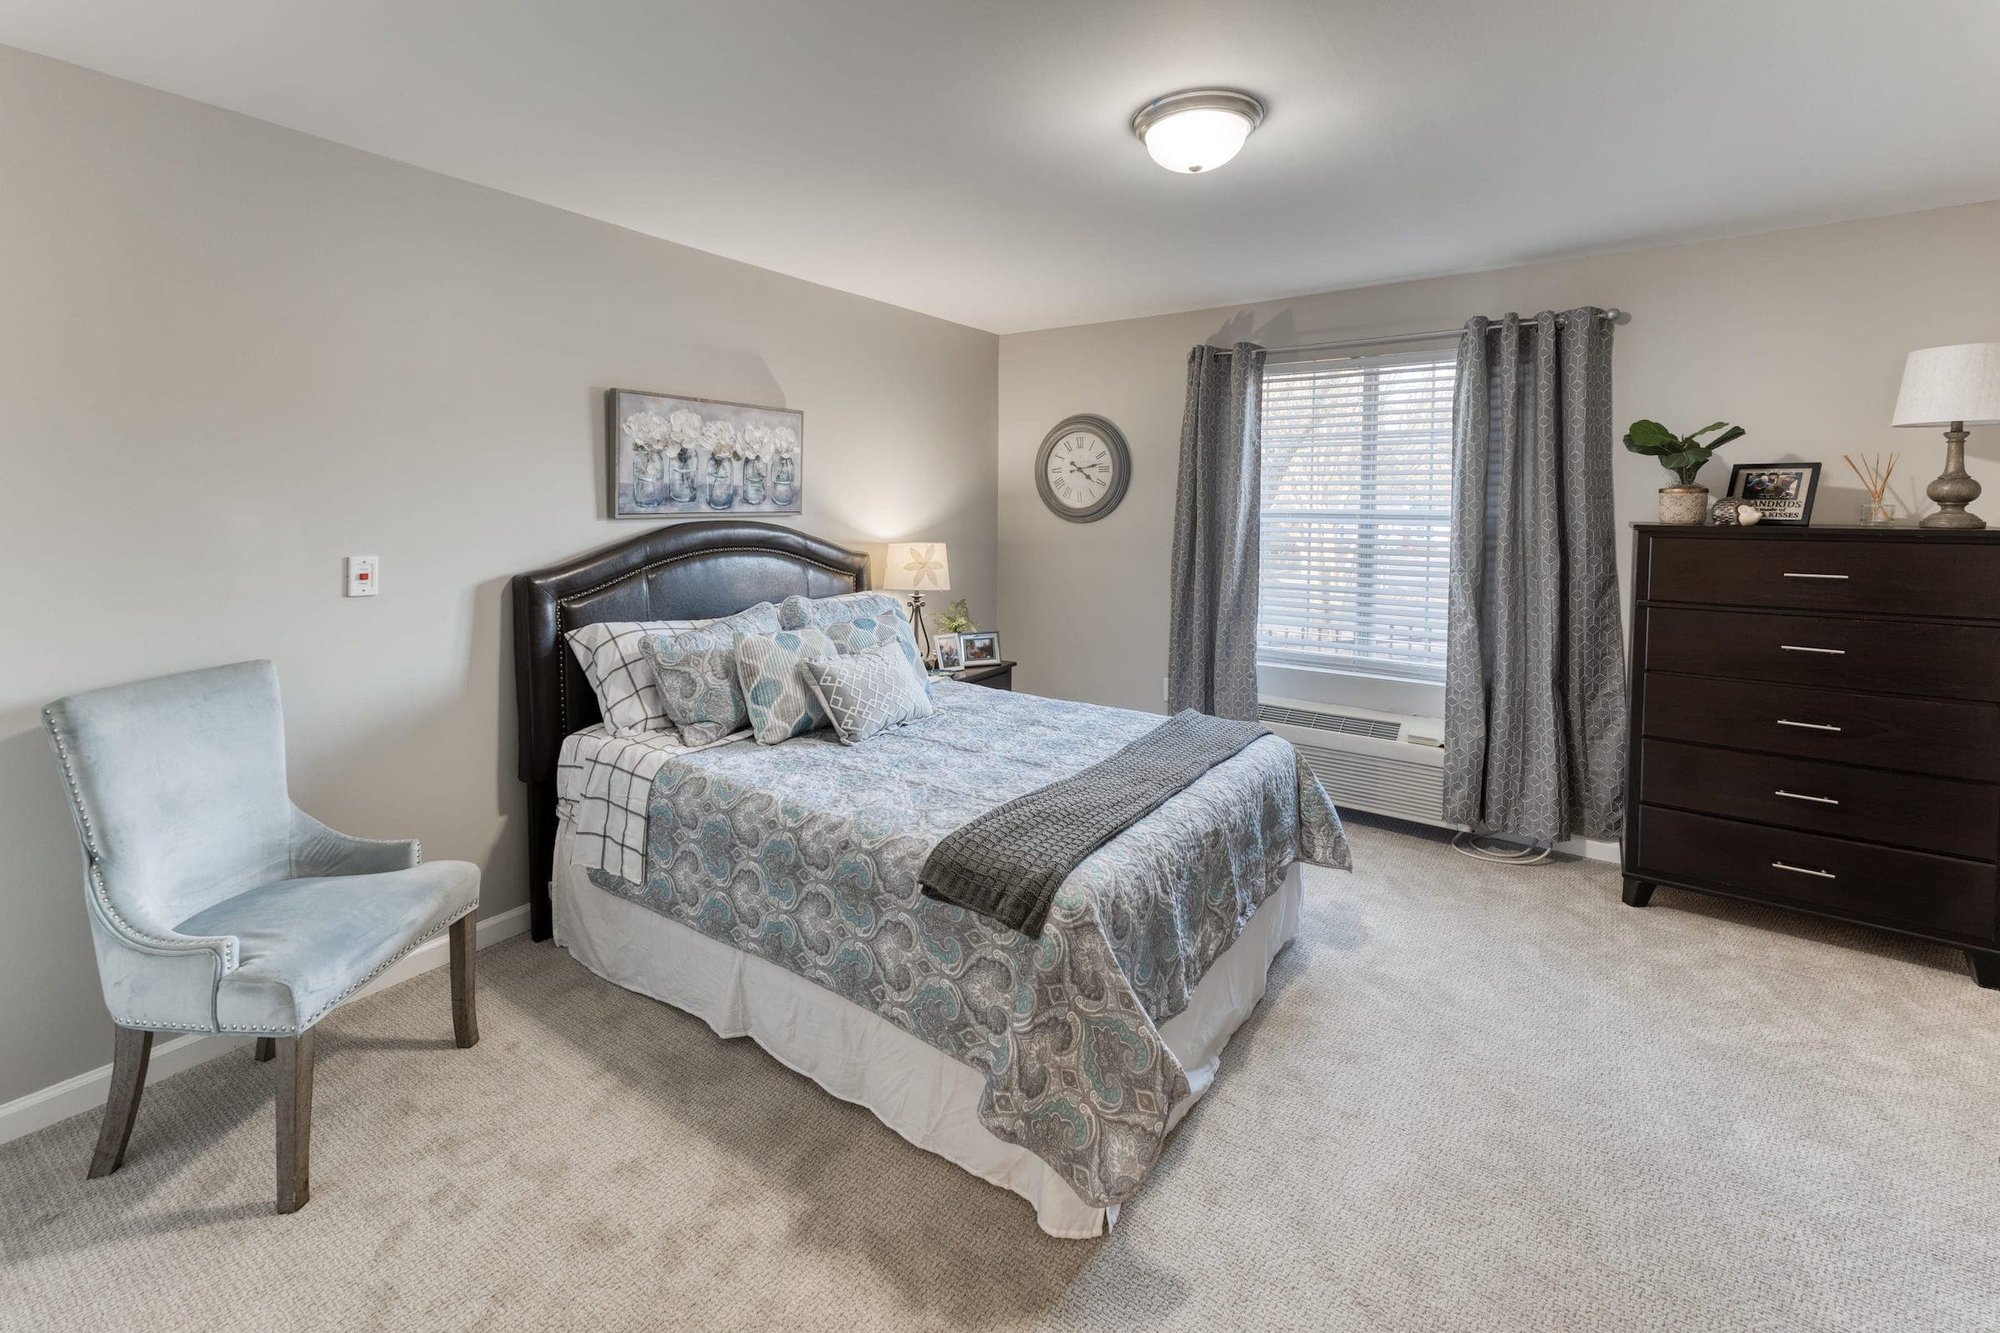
x=364 y=575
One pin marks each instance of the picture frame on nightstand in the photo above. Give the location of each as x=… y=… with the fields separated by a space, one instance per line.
x=979 y=647
x=949 y=655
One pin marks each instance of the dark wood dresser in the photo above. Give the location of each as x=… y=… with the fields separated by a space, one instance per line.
x=1816 y=725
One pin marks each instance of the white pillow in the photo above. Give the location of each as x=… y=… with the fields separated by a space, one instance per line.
x=628 y=694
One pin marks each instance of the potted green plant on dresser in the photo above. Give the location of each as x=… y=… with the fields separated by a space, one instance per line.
x=1684 y=505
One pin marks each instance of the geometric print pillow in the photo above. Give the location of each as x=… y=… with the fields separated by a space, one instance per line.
x=628 y=699
x=797 y=612
x=776 y=690
x=695 y=670
x=868 y=692
x=872 y=631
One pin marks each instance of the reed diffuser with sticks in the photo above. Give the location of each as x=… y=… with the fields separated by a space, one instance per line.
x=1874 y=477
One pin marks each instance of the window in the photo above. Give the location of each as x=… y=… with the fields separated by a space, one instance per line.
x=1357 y=512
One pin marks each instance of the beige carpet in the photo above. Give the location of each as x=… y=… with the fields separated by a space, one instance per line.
x=1476 y=1098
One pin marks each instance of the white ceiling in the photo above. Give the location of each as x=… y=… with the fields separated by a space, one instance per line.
x=971 y=158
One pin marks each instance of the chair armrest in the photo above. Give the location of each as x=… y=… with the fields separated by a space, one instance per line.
x=319 y=850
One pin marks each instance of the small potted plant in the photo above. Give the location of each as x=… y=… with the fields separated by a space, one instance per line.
x=1682 y=455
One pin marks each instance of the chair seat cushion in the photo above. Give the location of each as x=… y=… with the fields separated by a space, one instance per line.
x=306 y=944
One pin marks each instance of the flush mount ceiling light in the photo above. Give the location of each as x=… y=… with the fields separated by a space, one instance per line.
x=1197 y=130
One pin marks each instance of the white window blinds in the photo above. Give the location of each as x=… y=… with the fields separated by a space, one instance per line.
x=1357 y=512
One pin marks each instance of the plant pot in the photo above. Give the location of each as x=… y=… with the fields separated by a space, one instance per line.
x=1684 y=506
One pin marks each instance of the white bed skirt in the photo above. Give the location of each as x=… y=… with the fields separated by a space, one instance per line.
x=917 y=1090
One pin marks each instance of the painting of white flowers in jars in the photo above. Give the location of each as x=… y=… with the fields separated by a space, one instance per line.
x=672 y=457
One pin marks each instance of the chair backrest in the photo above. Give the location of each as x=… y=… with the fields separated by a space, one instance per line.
x=178 y=787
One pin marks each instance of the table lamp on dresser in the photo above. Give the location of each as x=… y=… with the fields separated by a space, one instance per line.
x=1953 y=387
x=916 y=568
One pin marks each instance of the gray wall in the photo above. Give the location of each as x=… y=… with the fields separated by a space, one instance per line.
x=231 y=354
x=1799 y=336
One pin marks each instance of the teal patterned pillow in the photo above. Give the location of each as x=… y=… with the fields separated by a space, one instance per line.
x=865 y=632
x=696 y=673
x=797 y=612
x=868 y=692
x=771 y=669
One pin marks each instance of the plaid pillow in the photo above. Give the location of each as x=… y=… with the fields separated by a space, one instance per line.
x=696 y=673
x=628 y=697
x=771 y=668
x=868 y=692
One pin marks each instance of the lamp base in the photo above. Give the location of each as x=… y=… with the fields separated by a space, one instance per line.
x=926 y=649
x=1953 y=490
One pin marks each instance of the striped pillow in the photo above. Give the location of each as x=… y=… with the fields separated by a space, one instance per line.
x=776 y=691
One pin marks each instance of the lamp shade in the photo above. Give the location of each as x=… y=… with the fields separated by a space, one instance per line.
x=1946 y=384
x=916 y=567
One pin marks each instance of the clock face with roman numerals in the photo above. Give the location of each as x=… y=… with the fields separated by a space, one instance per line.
x=1083 y=468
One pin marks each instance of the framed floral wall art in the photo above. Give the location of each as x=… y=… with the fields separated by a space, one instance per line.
x=675 y=457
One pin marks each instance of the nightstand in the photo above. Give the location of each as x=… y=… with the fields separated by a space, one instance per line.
x=996 y=675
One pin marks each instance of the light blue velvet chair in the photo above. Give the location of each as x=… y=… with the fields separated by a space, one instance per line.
x=219 y=906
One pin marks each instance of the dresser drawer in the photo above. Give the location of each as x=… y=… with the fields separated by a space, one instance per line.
x=1880 y=885
x=1897 y=657
x=1925 y=813
x=1953 y=740
x=1916 y=577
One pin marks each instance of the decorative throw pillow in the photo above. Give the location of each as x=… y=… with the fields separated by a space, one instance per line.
x=628 y=697
x=865 y=632
x=696 y=673
x=797 y=612
x=868 y=692
x=776 y=690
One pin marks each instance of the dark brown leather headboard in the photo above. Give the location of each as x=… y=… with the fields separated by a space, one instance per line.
x=684 y=572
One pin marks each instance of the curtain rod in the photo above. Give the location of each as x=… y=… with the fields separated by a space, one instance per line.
x=1615 y=315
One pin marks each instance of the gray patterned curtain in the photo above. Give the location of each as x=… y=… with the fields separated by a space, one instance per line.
x=1212 y=634
x=1534 y=729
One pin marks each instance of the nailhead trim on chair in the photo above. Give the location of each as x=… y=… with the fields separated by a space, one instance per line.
x=223 y=945
x=323 y=1012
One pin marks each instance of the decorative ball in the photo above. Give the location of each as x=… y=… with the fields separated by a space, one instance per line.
x=1728 y=513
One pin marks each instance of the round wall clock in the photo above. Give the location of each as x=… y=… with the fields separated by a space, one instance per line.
x=1083 y=468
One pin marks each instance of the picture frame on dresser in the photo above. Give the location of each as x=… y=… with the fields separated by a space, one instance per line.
x=1815 y=725
x=1782 y=493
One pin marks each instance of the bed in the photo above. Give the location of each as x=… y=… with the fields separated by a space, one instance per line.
x=757 y=887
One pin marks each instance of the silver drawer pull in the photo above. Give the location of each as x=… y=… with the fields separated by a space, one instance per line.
x=1801 y=648
x=1816 y=576
x=1804 y=870
x=1801 y=796
x=1809 y=726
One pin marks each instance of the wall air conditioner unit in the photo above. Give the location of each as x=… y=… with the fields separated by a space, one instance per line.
x=1384 y=763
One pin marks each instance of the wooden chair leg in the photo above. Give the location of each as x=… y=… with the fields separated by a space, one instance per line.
x=464 y=982
x=128 y=1080
x=267 y=1048
x=295 y=1090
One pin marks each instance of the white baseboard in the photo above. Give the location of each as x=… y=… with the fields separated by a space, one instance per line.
x=1593 y=850
x=60 y=1101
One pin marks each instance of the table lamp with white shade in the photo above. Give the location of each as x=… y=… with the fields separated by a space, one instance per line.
x=915 y=568
x=1953 y=387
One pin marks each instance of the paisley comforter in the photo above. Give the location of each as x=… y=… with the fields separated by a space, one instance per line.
x=807 y=854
